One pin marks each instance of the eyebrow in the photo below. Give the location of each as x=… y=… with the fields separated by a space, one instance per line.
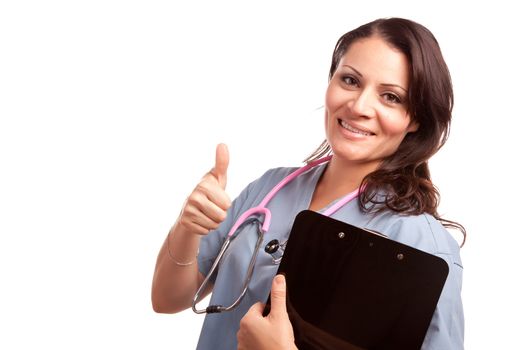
x=361 y=75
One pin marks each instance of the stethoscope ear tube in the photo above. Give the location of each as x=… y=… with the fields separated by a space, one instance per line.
x=200 y=291
x=219 y=308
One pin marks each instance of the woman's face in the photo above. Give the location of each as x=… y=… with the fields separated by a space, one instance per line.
x=366 y=102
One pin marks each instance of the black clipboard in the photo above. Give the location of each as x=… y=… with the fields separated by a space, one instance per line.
x=350 y=288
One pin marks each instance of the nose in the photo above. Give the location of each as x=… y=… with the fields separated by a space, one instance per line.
x=362 y=105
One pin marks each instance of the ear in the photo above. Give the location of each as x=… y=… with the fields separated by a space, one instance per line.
x=413 y=126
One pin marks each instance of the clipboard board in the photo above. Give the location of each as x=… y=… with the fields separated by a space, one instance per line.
x=350 y=288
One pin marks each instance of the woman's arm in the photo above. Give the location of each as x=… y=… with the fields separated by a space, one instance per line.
x=446 y=330
x=424 y=232
x=176 y=276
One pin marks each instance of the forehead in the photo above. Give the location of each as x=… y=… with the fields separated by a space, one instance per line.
x=374 y=58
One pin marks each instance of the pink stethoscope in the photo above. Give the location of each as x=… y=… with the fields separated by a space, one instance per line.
x=263 y=228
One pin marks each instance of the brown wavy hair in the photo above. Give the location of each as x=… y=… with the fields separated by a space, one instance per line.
x=404 y=176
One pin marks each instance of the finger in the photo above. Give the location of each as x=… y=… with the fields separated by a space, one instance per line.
x=221 y=164
x=212 y=211
x=200 y=199
x=195 y=216
x=218 y=196
x=256 y=310
x=278 y=297
x=251 y=316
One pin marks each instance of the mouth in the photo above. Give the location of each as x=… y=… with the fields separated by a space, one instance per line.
x=354 y=129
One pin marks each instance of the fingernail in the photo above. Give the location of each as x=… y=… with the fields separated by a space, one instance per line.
x=280 y=280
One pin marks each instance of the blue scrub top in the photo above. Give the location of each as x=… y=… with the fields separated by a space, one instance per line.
x=423 y=232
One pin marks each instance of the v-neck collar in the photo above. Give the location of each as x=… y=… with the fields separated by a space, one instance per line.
x=310 y=189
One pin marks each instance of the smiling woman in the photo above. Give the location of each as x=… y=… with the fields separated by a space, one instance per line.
x=389 y=76
x=387 y=111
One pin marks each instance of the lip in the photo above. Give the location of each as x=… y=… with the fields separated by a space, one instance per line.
x=362 y=131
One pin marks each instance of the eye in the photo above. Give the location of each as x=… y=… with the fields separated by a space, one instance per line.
x=349 y=80
x=392 y=98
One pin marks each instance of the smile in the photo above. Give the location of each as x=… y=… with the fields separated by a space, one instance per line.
x=346 y=126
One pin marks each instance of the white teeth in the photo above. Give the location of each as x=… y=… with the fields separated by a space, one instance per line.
x=354 y=130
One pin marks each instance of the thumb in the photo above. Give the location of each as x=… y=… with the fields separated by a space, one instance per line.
x=278 y=297
x=221 y=164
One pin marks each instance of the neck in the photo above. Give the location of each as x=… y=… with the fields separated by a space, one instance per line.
x=339 y=178
x=344 y=175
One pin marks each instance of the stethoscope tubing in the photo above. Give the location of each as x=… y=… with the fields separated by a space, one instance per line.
x=250 y=270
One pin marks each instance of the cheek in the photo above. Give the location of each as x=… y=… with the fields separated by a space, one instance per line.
x=330 y=98
x=395 y=125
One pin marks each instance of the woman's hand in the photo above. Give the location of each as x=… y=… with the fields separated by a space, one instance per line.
x=206 y=207
x=273 y=332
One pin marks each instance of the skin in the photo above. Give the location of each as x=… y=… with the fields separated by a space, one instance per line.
x=368 y=91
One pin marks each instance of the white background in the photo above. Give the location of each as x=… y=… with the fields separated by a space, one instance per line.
x=111 y=112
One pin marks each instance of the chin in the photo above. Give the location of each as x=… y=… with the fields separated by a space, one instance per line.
x=351 y=157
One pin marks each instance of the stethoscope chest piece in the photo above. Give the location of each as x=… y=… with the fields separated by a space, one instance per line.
x=276 y=250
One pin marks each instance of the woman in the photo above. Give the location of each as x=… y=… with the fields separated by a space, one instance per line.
x=388 y=110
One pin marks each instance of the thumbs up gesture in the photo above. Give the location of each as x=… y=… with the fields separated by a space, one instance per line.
x=272 y=332
x=221 y=165
x=206 y=207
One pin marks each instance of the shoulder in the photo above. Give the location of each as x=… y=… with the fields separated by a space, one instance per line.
x=256 y=190
x=423 y=232
x=266 y=182
x=273 y=176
